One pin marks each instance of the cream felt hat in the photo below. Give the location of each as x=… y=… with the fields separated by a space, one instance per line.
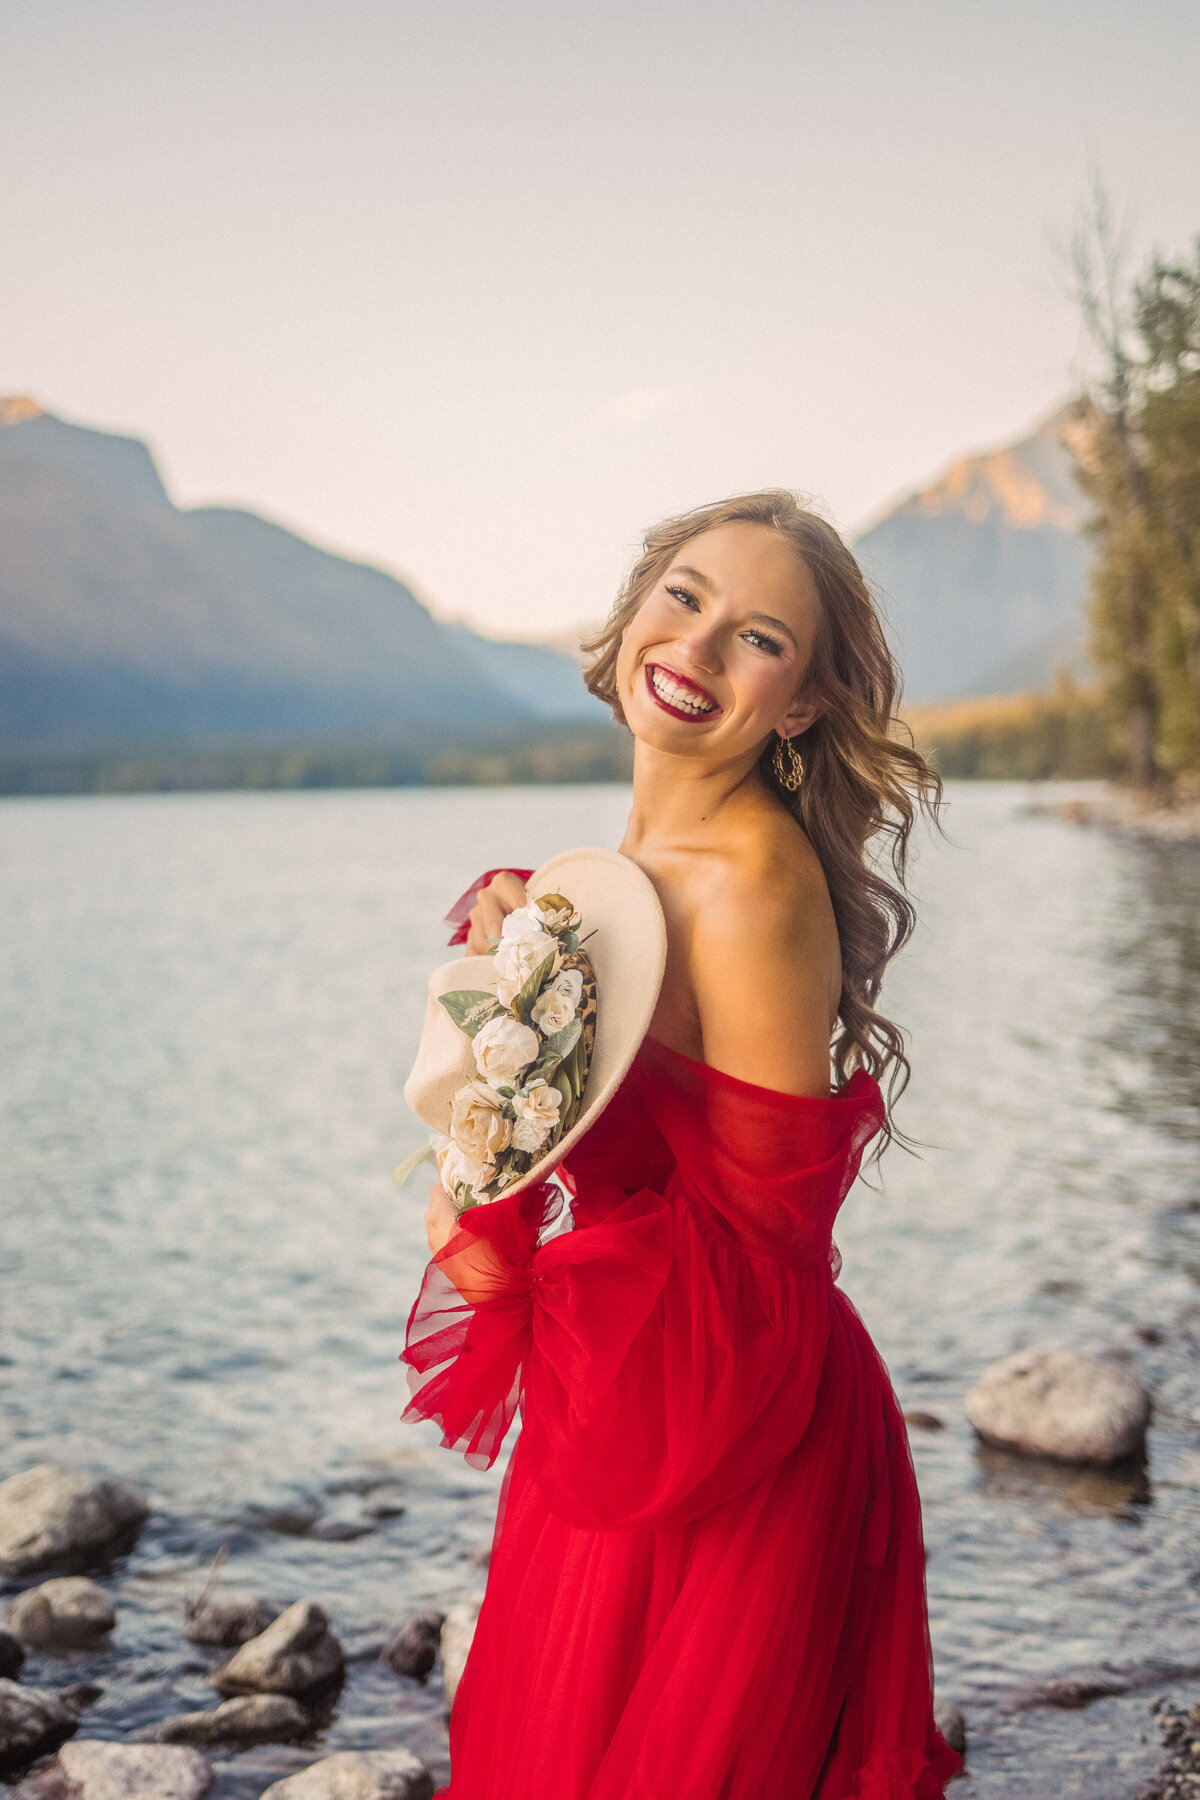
x=624 y=933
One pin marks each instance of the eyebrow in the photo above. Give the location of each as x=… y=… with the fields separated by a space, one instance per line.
x=706 y=581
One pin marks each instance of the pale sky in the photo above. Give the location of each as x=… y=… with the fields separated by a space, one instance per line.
x=477 y=290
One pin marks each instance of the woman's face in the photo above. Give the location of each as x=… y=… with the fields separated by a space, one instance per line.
x=714 y=659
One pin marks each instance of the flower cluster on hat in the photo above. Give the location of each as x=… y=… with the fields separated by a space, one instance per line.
x=531 y=1039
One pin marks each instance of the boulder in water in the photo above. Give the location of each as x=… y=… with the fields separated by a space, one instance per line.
x=228 y=1621
x=1053 y=1401
x=50 y=1516
x=951 y=1723
x=68 y=1613
x=414 y=1649
x=250 y=1719
x=458 y=1634
x=296 y=1653
x=32 y=1721
x=91 y=1770
x=358 y=1775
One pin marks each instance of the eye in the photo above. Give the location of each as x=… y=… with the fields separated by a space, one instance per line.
x=685 y=597
x=764 y=641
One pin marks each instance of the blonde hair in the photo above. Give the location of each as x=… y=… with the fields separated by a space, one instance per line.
x=864 y=782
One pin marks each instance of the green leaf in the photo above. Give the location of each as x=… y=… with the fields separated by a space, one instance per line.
x=533 y=987
x=470 y=1008
x=564 y=1041
x=571 y=942
x=411 y=1164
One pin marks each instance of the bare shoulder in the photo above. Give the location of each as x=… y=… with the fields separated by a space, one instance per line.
x=765 y=966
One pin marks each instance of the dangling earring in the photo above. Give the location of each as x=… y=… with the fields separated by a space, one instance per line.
x=789 y=772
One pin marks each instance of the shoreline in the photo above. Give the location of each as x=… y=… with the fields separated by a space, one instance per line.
x=1128 y=814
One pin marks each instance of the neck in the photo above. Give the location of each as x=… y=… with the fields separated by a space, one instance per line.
x=678 y=798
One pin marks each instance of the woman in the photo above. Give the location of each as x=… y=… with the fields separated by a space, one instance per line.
x=707 y=1579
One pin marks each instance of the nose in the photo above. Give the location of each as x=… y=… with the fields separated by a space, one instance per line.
x=702 y=648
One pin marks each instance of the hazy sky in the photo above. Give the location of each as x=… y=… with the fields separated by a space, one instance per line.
x=478 y=290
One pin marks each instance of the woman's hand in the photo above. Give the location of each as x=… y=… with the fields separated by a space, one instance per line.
x=500 y=897
x=440 y=1218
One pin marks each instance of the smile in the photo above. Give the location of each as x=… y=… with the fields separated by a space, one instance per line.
x=678 y=696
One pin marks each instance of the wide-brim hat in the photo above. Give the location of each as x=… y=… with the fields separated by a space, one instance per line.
x=623 y=931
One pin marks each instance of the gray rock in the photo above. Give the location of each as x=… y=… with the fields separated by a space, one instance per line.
x=52 y=1516
x=952 y=1724
x=414 y=1649
x=358 y=1775
x=231 y=1620
x=11 y=1655
x=294 y=1654
x=1058 y=1402
x=68 y=1613
x=458 y=1634
x=251 y=1719
x=102 y=1771
x=32 y=1720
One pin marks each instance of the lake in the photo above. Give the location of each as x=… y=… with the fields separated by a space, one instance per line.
x=209 y=1004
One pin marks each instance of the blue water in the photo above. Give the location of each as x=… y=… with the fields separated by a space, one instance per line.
x=209 y=1004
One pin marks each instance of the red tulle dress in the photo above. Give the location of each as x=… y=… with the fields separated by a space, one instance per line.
x=707 y=1577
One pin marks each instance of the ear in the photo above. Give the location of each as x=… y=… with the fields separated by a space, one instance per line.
x=799 y=716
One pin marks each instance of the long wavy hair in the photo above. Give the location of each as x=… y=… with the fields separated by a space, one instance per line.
x=864 y=782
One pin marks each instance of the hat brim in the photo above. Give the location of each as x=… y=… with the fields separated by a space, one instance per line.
x=624 y=934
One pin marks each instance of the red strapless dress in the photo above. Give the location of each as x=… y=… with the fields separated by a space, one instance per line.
x=707 y=1578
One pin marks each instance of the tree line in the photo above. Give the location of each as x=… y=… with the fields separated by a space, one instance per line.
x=1137 y=450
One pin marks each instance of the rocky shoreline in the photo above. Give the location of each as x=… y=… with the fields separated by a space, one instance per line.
x=280 y=1675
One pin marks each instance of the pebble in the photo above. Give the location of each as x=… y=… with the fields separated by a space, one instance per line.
x=358 y=1775
x=68 y=1613
x=32 y=1721
x=54 y=1516
x=458 y=1633
x=250 y=1719
x=296 y=1653
x=1058 y=1402
x=414 y=1649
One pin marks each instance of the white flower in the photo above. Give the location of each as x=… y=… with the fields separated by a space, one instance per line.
x=519 y=956
x=556 y=1005
x=504 y=1049
x=477 y=1123
x=537 y=1115
x=457 y=1170
x=522 y=922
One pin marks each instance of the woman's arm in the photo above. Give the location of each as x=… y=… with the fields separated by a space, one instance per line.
x=502 y=895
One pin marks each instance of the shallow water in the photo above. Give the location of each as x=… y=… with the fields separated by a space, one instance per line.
x=208 y=1006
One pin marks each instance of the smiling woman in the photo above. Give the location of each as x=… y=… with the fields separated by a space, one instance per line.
x=707 y=1580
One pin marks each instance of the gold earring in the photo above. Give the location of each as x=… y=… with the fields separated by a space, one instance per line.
x=789 y=773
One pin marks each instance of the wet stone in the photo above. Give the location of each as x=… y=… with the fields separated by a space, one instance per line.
x=1062 y=1403
x=249 y=1719
x=358 y=1775
x=414 y=1649
x=68 y=1613
x=228 y=1621
x=32 y=1721
x=952 y=1724
x=458 y=1634
x=103 y=1771
x=51 y=1516
x=295 y=1654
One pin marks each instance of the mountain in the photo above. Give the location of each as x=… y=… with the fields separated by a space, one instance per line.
x=125 y=619
x=984 y=574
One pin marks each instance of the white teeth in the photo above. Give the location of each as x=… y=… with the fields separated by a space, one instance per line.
x=670 y=691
